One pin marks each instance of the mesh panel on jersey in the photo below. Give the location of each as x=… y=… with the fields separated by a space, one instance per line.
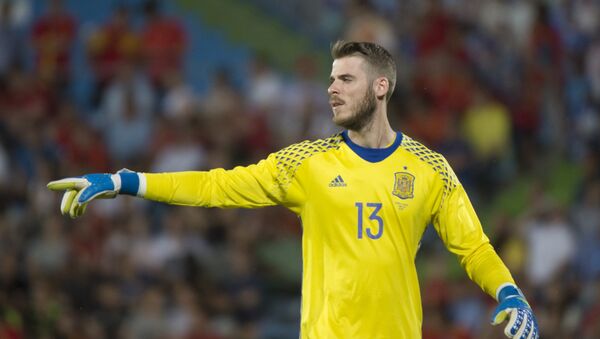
x=291 y=157
x=434 y=159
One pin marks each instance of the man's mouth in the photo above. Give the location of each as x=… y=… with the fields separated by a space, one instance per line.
x=336 y=103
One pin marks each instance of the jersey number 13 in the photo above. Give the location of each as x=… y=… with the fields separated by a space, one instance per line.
x=373 y=208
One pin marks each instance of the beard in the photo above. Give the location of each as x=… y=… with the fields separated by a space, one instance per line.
x=362 y=114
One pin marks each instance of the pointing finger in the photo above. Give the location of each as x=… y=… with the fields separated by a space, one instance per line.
x=67 y=184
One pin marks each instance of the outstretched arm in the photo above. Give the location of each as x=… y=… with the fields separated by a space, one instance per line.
x=262 y=184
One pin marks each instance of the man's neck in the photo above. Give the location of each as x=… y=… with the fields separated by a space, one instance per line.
x=377 y=134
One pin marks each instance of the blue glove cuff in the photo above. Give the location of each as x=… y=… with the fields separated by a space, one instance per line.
x=130 y=183
x=509 y=291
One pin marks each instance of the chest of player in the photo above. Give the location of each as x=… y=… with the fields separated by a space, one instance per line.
x=360 y=205
x=396 y=189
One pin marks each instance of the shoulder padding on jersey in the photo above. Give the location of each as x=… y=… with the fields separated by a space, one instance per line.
x=291 y=157
x=437 y=162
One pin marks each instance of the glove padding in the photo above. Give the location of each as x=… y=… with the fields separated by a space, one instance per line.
x=522 y=323
x=81 y=190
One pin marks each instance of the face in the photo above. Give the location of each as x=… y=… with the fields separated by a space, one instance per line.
x=351 y=94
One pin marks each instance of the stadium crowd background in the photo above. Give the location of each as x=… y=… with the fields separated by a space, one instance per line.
x=508 y=91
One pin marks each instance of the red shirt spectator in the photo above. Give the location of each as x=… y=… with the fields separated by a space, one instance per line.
x=53 y=35
x=81 y=145
x=163 y=44
x=25 y=99
x=545 y=47
x=111 y=45
x=10 y=331
x=433 y=32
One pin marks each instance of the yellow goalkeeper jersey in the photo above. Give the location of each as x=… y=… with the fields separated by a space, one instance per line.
x=363 y=214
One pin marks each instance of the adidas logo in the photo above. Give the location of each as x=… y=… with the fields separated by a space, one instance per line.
x=337 y=182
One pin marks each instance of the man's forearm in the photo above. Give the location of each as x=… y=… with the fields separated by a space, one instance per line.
x=486 y=269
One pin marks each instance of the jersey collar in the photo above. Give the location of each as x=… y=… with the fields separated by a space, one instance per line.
x=372 y=154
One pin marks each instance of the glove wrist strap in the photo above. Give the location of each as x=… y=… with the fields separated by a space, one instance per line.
x=130 y=183
x=507 y=291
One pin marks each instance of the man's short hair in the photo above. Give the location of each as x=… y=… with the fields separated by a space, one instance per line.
x=377 y=57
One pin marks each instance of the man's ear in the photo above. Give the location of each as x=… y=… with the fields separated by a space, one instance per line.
x=381 y=86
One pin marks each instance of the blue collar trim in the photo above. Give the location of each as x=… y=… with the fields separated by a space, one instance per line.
x=372 y=154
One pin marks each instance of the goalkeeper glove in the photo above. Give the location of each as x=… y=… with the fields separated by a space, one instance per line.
x=522 y=323
x=79 y=191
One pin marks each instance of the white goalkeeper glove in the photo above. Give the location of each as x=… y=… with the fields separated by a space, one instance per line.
x=79 y=191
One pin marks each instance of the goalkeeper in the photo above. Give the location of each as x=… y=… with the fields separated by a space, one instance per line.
x=364 y=195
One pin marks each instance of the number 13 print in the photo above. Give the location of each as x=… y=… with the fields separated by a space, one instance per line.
x=376 y=207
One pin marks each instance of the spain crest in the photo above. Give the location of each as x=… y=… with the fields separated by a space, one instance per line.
x=404 y=185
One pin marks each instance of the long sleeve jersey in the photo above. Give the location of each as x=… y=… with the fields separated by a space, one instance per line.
x=363 y=214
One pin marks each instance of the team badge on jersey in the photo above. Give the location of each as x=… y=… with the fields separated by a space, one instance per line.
x=404 y=185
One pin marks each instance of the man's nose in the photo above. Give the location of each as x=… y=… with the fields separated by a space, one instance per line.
x=332 y=89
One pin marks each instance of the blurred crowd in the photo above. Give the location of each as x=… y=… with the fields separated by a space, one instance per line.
x=504 y=89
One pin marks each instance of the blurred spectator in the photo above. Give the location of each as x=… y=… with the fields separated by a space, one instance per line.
x=222 y=99
x=148 y=320
x=53 y=37
x=108 y=48
x=593 y=67
x=265 y=87
x=140 y=248
x=20 y=13
x=511 y=18
x=550 y=244
x=183 y=152
x=585 y=15
x=365 y=24
x=304 y=112
x=47 y=253
x=446 y=83
x=182 y=311
x=126 y=115
x=467 y=306
x=12 y=51
x=48 y=309
x=586 y=216
x=163 y=44
x=179 y=100
x=434 y=27
x=509 y=244
x=458 y=153
x=168 y=248
x=486 y=128
x=545 y=50
x=4 y=165
x=591 y=324
x=11 y=325
x=244 y=289
x=424 y=122
x=230 y=126
x=79 y=143
x=526 y=123
x=24 y=100
x=200 y=328
x=111 y=308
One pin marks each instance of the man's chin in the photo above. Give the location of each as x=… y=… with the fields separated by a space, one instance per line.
x=345 y=123
x=339 y=118
x=336 y=119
